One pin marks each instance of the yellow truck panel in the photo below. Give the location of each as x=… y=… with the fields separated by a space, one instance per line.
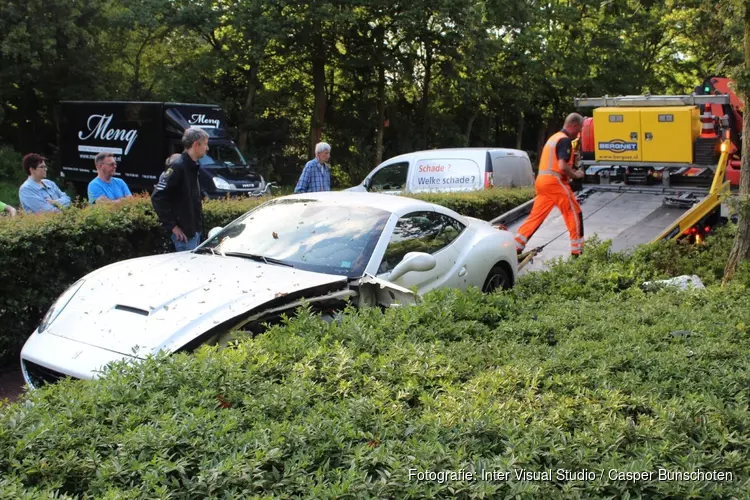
x=617 y=132
x=669 y=133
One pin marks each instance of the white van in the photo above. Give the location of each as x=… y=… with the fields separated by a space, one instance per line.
x=441 y=170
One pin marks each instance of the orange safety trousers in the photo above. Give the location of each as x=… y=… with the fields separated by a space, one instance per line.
x=553 y=191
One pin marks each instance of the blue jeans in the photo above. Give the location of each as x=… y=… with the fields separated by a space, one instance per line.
x=190 y=244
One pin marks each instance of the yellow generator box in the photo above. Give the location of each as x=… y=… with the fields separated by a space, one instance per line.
x=669 y=133
x=617 y=132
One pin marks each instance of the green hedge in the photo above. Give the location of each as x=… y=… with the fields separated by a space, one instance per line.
x=44 y=254
x=485 y=205
x=580 y=377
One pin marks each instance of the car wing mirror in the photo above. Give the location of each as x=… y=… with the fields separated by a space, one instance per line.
x=413 y=261
x=213 y=232
x=367 y=183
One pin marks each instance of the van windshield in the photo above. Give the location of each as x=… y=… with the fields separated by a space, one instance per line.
x=222 y=155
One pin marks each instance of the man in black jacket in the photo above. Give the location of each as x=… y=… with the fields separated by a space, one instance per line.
x=177 y=196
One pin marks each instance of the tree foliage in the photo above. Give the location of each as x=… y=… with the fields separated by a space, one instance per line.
x=374 y=78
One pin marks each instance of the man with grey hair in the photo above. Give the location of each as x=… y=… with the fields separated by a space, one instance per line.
x=553 y=188
x=106 y=187
x=177 y=196
x=316 y=176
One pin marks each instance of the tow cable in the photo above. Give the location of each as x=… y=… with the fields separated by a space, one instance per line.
x=524 y=257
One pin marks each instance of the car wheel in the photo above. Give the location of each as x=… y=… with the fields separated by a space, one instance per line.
x=498 y=278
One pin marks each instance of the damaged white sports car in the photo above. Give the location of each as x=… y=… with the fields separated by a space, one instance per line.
x=323 y=249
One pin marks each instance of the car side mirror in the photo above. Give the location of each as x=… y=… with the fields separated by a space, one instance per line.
x=367 y=183
x=213 y=232
x=413 y=261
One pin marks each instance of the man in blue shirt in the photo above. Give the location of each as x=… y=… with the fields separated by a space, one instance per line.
x=316 y=176
x=38 y=194
x=106 y=187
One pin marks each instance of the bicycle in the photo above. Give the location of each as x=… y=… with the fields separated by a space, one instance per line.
x=263 y=192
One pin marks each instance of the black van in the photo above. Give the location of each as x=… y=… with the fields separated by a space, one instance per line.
x=142 y=135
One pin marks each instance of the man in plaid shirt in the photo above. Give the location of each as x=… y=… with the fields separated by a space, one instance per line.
x=316 y=176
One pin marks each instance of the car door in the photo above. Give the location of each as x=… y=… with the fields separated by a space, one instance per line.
x=390 y=179
x=428 y=232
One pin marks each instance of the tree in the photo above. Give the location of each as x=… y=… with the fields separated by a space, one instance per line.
x=49 y=50
x=741 y=248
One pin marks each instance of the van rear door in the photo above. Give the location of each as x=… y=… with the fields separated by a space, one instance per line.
x=512 y=169
x=445 y=174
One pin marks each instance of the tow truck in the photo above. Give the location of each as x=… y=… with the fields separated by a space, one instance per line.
x=655 y=169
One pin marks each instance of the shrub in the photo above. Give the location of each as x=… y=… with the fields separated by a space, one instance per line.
x=11 y=171
x=485 y=205
x=464 y=381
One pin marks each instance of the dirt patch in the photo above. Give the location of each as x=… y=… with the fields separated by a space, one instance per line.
x=11 y=383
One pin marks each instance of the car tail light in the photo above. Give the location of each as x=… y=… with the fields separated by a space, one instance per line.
x=487 y=180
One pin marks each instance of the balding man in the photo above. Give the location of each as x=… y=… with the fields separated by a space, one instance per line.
x=105 y=187
x=553 y=190
x=177 y=197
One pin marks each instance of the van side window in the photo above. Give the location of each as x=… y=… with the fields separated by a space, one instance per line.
x=427 y=232
x=390 y=178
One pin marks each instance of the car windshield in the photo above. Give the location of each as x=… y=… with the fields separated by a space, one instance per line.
x=307 y=234
x=222 y=155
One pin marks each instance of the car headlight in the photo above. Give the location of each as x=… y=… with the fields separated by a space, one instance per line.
x=59 y=305
x=222 y=184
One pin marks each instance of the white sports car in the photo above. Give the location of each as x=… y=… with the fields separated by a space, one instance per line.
x=323 y=249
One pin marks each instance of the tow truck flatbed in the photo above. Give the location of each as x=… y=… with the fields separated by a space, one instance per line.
x=625 y=214
x=627 y=218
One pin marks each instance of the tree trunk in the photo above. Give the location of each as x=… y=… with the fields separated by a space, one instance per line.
x=426 y=93
x=469 y=125
x=741 y=248
x=319 y=108
x=381 y=115
x=519 y=130
x=541 y=138
x=247 y=109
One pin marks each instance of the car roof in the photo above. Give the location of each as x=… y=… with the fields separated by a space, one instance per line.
x=392 y=203
x=457 y=153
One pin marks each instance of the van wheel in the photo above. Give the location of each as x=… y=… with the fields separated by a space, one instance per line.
x=498 y=278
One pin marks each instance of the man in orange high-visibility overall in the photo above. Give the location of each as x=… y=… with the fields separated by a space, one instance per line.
x=553 y=190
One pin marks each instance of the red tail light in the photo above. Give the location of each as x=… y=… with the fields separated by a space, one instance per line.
x=487 y=180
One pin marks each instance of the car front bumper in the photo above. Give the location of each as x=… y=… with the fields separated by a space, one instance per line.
x=46 y=358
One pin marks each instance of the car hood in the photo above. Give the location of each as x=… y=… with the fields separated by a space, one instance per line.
x=141 y=306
